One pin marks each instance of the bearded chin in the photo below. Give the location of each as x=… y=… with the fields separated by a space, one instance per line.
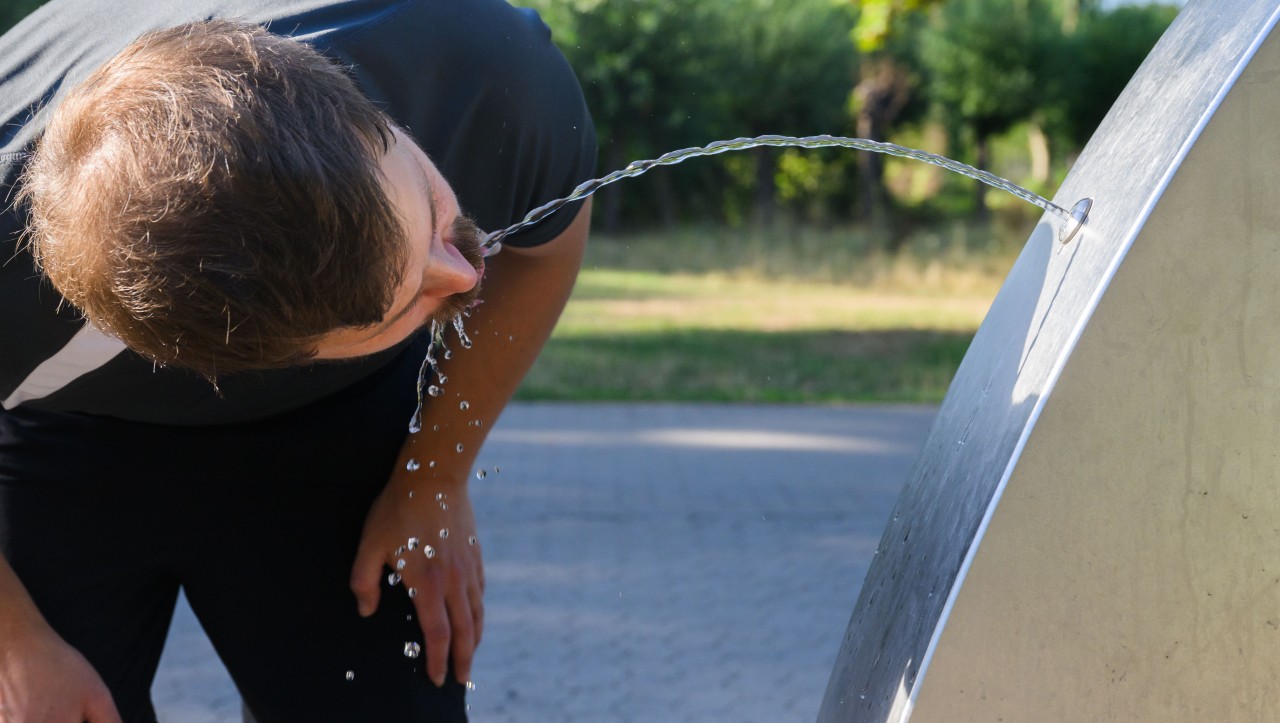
x=467 y=238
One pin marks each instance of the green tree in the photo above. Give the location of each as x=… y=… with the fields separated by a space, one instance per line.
x=887 y=85
x=647 y=69
x=985 y=60
x=786 y=68
x=12 y=11
x=1101 y=57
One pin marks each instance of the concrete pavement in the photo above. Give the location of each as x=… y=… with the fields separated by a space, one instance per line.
x=654 y=562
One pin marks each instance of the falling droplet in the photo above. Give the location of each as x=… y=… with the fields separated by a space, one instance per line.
x=434 y=391
x=464 y=405
x=435 y=428
x=481 y=474
x=393 y=579
x=399 y=551
x=410 y=494
x=412 y=650
x=496 y=469
x=351 y=675
x=444 y=506
x=413 y=592
x=439 y=496
x=412 y=465
x=431 y=464
x=400 y=564
x=429 y=551
x=442 y=378
x=471 y=685
x=448 y=355
x=459 y=447
x=471 y=540
x=462 y=333
x=413 y=543
x=444 y=533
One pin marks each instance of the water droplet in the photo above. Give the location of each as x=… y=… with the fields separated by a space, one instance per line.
x=448 y=355
x=442 y=378
x=481 y=474
x=434 y=391
x=466 y=343
x=412 y=465
x=472 y=540
x=444 y=533
x=439 y=496
x=496 y=469
x=435 y=428
x=393 y=579
x=351 y=675
x=412 y=650
x=399 y=551
x=444 y=506
x=431 y=464
x=400 y=564
x=413 y=592
x=410 y=494
x=464 y=405
x=471 y=685
x=413 y=543
x=429 y=551
x=459 y=447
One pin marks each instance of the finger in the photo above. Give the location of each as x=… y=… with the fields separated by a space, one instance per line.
x=100 y=708
x=477 y=615
x=461 y=619
x=366 y=574
x=433 y=618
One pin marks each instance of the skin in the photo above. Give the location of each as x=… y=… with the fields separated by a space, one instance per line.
x=44 y=680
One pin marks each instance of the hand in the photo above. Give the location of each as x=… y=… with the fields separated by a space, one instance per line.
x=443 y=575
x=44 y=680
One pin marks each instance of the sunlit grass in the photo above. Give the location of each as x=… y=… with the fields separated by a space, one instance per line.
x=702 y=316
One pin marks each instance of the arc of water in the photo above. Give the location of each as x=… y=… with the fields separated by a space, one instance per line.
x=493 y=241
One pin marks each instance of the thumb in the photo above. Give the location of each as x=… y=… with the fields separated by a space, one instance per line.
x=366 y=575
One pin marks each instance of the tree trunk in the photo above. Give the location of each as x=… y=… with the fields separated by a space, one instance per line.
x=1038 y=146
x=610 y=209
x=980 y=212
x=870 y=168
x=666 y=198
x=765 y=201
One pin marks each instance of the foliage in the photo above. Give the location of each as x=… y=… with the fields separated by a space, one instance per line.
x=1098 y=62
x=11 y=11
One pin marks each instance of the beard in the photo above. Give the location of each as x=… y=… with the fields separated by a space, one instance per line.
x=467 y=238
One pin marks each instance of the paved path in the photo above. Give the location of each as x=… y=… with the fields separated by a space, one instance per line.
x=660 y=563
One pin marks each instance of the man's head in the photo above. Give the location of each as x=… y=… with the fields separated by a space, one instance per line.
x=221 y=198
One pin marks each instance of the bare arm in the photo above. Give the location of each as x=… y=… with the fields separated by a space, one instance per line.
x=525 y=291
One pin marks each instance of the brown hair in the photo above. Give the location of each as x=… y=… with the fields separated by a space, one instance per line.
x=212 y=197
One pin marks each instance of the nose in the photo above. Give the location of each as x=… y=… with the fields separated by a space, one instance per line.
x=449 y=272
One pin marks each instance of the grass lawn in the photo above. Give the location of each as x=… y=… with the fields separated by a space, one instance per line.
x=707 y=317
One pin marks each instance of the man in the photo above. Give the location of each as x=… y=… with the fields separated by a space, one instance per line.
x=211 y=339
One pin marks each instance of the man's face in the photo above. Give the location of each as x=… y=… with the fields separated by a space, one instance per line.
x=445 y=259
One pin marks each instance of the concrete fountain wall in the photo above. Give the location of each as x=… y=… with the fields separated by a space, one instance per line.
x=1092 y=532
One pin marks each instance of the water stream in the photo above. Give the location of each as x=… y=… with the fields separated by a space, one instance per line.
x=1073 y=219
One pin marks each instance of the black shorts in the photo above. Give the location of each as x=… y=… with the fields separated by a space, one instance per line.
x=103 y=520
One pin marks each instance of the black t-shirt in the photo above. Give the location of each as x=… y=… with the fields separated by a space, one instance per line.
x=477 y=82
